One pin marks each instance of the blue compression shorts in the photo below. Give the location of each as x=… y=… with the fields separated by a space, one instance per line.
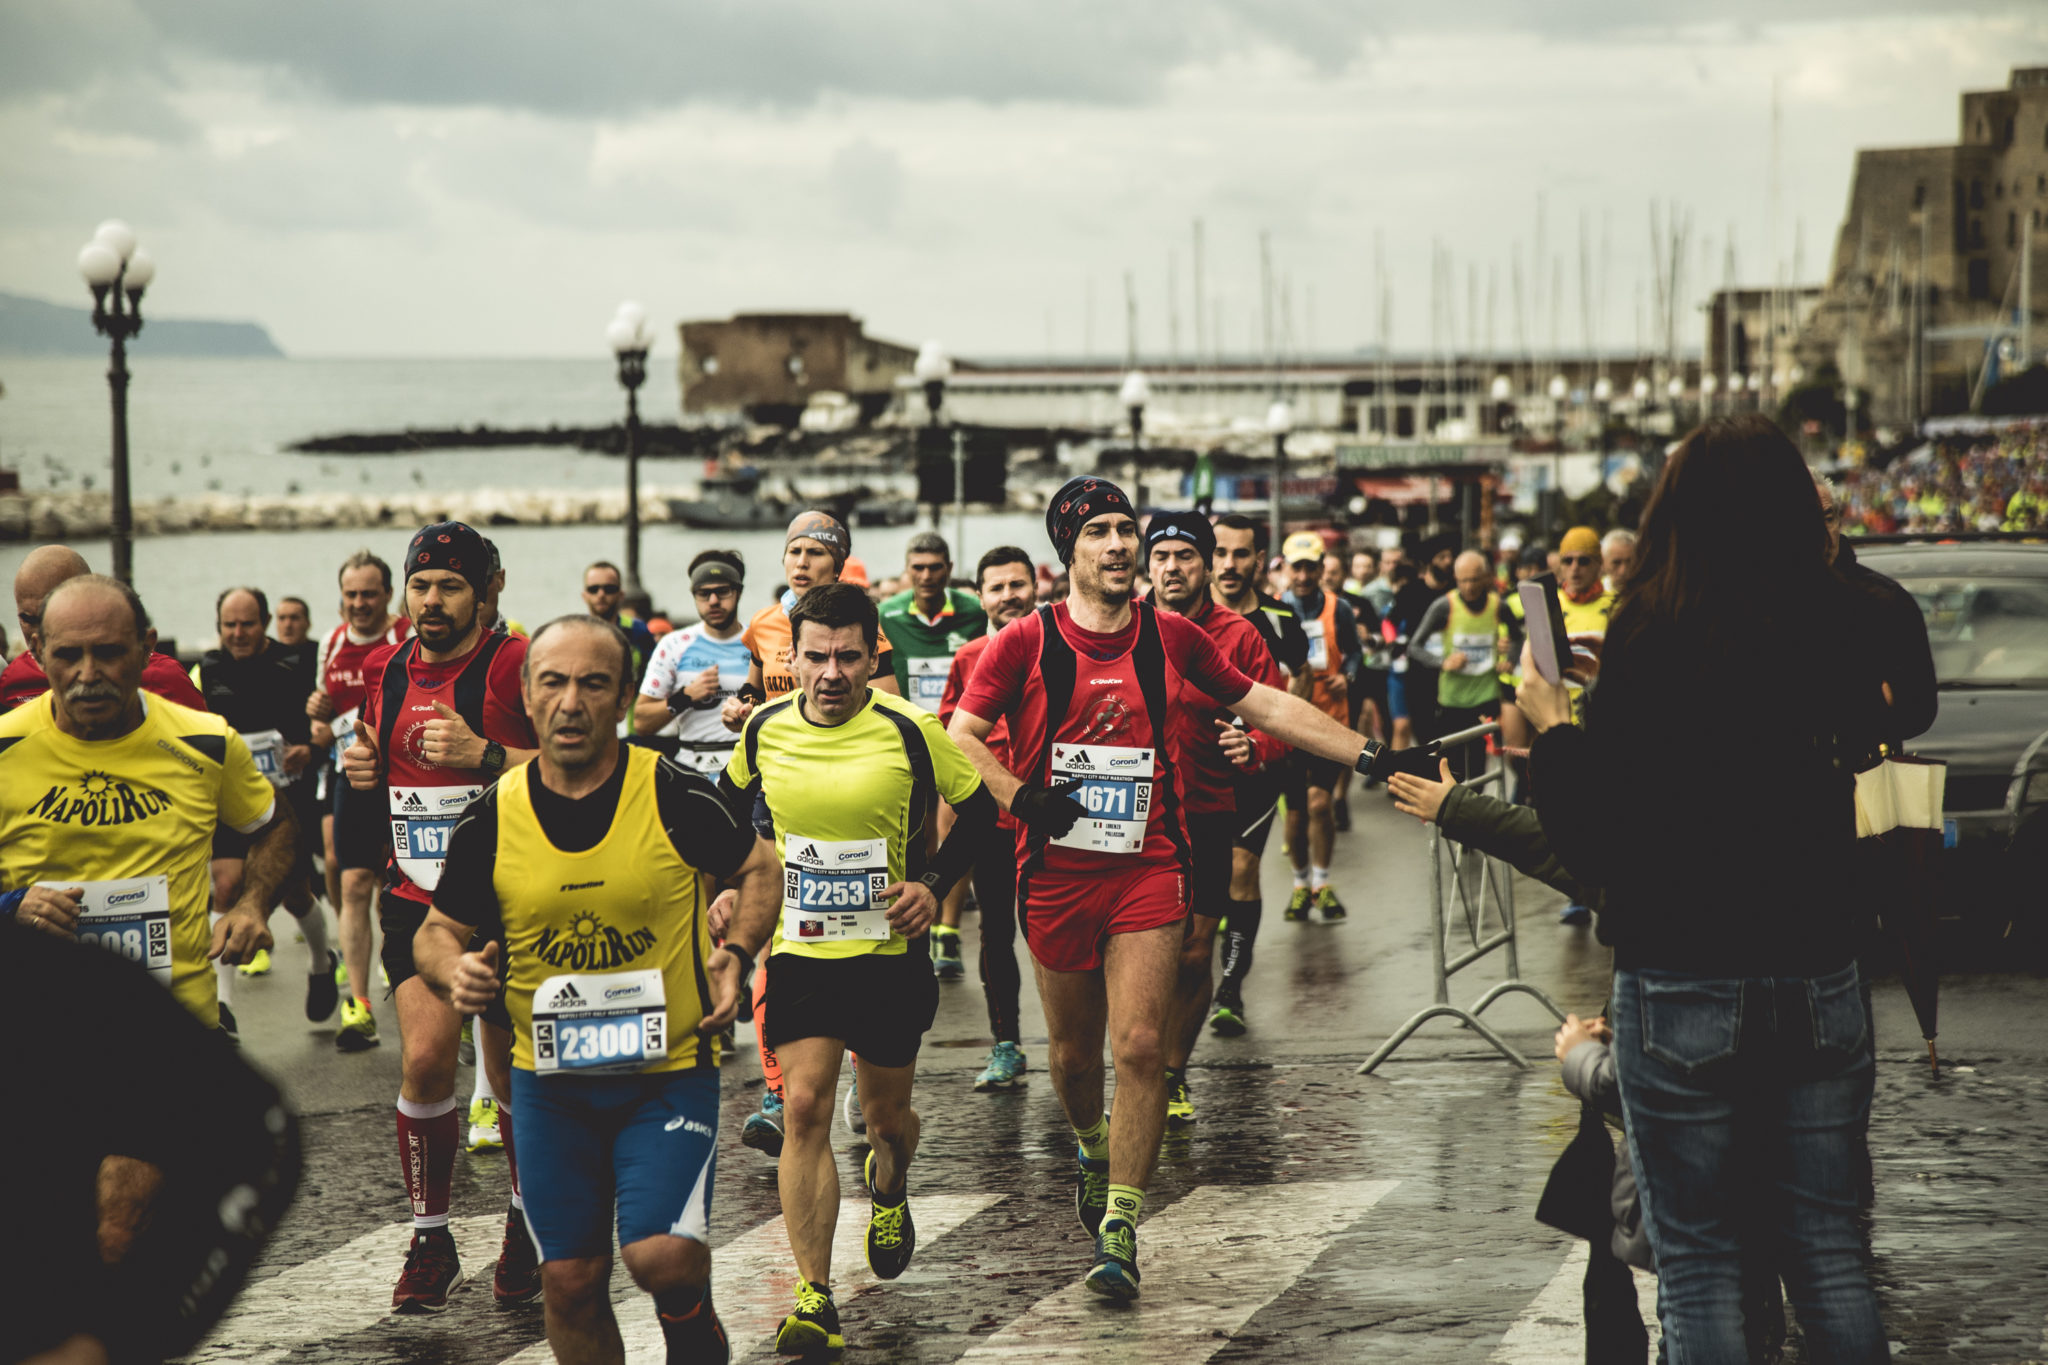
x=1397 y=695
x=646 y=1144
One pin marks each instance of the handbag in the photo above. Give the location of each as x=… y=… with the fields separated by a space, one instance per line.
x=1577 y=1198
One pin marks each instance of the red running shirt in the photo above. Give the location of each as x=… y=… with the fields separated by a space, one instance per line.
x=1209 y=779
x=24 y=680
x=342 y=660
x=1107 y=709
x=998 y=740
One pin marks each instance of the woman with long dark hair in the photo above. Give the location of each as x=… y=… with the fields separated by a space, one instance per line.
x=1710 y=793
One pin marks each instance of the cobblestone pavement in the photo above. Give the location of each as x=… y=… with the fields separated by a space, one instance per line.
x=1312 y=1215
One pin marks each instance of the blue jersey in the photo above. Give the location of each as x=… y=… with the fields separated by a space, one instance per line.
x=680 y=657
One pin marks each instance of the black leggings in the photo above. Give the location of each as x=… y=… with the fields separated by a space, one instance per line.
x=995 y=891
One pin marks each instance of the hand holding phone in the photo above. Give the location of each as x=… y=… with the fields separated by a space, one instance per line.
x=1549 y=642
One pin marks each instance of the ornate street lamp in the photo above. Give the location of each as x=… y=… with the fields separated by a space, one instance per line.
x=630 y=339
x=932 y=369
x=1134 y=395
x=1279 y=421
x=117 y=270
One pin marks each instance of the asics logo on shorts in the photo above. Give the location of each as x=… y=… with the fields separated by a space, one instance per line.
x=679 y=1121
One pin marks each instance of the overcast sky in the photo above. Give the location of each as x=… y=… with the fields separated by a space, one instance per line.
x=491 y=177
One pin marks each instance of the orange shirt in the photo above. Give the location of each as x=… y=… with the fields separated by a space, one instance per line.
x=767 y=638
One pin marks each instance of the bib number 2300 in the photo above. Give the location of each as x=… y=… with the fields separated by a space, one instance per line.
x=599 y=1022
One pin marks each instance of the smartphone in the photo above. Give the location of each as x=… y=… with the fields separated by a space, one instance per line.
x=1549 y=642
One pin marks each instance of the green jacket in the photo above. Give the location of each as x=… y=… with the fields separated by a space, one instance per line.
x=1513 y=834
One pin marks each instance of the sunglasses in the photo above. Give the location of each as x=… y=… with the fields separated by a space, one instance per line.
x=1578 y=559
x=603 y=588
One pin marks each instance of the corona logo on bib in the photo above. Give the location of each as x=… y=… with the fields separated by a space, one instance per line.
x=99 y=799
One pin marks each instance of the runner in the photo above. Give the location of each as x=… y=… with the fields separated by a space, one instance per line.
x=260 y=687
x=295 y=624
x=695 y=670
x=930 y=622
x=1220 y=759
x=604 y=597
x=41 y=571
x=1587 y=604
x=1333 y=656
x=441 y=720
x=598 y=858
x=1008 y=593
x=853 y=776
x=1102 y=880
x=1240 y=545
x=813 y=553
x=1467 y=635
x=353 y=827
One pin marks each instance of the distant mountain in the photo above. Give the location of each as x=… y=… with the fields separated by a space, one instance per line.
x=33 y=327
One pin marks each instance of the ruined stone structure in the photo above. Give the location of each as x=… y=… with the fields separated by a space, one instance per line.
x=767 y=366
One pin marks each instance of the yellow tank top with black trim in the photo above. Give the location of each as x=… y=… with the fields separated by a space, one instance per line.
x=587 y=934
x=1588 y=617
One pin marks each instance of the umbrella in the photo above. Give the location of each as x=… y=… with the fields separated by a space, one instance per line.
x=1898 y=807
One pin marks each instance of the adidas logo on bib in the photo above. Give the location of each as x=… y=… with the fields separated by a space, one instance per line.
x=566 y=996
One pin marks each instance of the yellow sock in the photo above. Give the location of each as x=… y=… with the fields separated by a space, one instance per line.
x=1095 y=1140
x=1125 y=1201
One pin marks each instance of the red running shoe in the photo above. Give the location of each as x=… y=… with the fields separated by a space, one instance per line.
x=432 y=1270
x=517 y=1279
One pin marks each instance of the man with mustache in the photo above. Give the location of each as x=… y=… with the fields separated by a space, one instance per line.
x=1103 y=857
x=599 y=860
x=854 y=776
x=1008 y=593
x=441 y=720
x=1225 y=774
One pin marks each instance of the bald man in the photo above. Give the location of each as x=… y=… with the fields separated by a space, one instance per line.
x=39 y=575
x=1467 y=634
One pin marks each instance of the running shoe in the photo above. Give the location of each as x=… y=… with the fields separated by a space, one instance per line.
x=1297 y=904
x=892 y=1234
x=432 y=1270
x=1091 y=1192
x=517 y=1278
x=1115 y=1272
x=856 y=1122
x=1340 y=814
x=465 y=1043
x=322 y=994
x=1005 y=1069
x=228 y=1025
x=258 y=965
x=483 y=1126
x=1575 y=915
x=1327 y=904
x=763 y=1129
x=358 y=1031
x=697 y=1337
x=1180 y=1109
x=1228 y=1021
x=946 y=964
x=814 y=1327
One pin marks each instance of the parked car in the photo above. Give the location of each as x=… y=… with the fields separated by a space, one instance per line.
x=1986 y=606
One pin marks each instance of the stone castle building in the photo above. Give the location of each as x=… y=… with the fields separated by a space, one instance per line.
x=768 y=366
x=1926 y=271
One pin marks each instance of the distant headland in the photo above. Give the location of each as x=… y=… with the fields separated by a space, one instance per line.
x=36 y=327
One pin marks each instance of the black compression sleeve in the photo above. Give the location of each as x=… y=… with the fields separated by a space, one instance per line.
x=739 y=800
x=974 y=822
x=465 y=892
x=701 y=820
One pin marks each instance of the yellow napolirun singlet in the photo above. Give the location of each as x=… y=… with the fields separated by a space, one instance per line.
x=606 y=947
x=132 y=820
x=847 y=803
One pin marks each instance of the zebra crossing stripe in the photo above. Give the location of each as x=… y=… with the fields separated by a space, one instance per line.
x=1210 y=1262
x=753 y=1279
x=1552 y=1329
x=345 y=1290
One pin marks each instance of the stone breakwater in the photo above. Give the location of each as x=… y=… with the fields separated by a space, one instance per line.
x=87 y=515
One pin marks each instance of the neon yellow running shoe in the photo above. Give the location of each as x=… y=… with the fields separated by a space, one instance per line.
x=814 y=1327
x=259 y=965
x=483 y=1127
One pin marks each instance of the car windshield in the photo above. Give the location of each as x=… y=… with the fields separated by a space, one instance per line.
x=1986 y=632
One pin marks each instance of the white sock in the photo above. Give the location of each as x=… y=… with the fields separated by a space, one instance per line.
x=1300 y=880
x=482 y=1090
x=314 y=925
x=1318 y=877
x=223 y=973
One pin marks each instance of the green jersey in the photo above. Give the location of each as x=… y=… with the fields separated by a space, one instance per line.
x=925 y=647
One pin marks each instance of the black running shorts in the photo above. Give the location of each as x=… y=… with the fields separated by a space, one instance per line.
x=879 y=1004
x=1214 y=839
x=1258 y=803
x=400 y=919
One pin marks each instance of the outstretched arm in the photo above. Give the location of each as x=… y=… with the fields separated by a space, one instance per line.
x=1293 y=721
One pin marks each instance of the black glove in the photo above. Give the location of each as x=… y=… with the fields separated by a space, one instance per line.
x=1048 y=810
x=1376 y=762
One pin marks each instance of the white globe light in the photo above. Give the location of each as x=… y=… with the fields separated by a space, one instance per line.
x=1557 y=387
x=141 y=270
x=116 y=236
x=1136 y=391
x=1798 y=373
x=622 y=335
x=933 y=364
x=1676 y=387
x=1777 y=379
x=631 y=312
x=1709 y=383
x=1603 y=389
x=1641 y=388
x=1503 y=388
x=1280 y=417
x=643 y=336
x=1756 y=381
x=99 y=264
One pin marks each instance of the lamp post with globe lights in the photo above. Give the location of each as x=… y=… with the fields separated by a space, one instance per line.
x=630 y=338
x=1279 y=421
x=932 y=369
x=117 y=270
x=1502 y=392
x=1134 y=395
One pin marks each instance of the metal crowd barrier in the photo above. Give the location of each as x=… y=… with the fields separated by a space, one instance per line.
x=1476 y=881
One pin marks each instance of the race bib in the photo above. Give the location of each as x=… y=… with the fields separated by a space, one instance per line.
x=1116 y=791
x=422 y=818
x=928 y=680
x=267 y=748
x=344 y=727
x=1318 y=646
x=1478 y=651
x=130 y=917
x=833 y=890
x=599 y=1023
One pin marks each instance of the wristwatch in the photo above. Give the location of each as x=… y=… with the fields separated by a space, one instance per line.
x=494 y=757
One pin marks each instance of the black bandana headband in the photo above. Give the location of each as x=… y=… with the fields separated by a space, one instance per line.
x=1078 y=501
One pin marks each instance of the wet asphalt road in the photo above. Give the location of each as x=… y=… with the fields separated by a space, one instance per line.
x=1388 y=1218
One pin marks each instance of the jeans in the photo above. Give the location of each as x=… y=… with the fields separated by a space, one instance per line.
x=1745 y=1102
